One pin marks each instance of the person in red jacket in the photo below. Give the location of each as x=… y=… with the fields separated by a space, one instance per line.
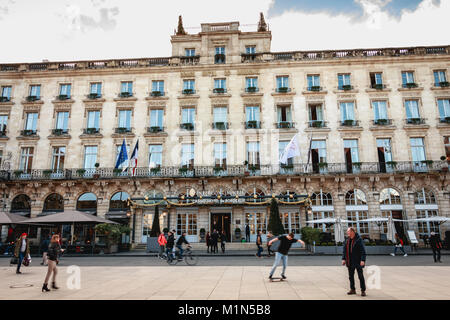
x=399 y=245
x=162 y=241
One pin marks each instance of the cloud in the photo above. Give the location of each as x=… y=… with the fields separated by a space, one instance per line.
x=75 y=20
x=357 y=9
x=4 y=7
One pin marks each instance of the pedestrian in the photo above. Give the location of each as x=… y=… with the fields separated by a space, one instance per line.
x=282 y=252
x=180 y=241
x=169 y=245
x=44 y=248
x=22 y=250
x=259 y=244
x=162 y=243
x=208 y=242
x=269 y=246
x=436 y=246
x=399 y=245
x=214 y=240
x=54 y=250
x=247 y=233
x=354 y=257
x=223 y=240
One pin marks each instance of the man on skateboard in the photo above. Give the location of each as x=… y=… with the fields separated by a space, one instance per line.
x=282 y=252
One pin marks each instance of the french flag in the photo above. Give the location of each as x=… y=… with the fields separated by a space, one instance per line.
x=134 y=159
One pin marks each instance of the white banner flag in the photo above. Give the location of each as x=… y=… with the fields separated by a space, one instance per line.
x=291 y=150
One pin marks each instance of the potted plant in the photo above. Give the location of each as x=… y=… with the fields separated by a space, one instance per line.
x=315 y=88
x=357 y=165
x=349 y=122
x=251 y=89
x=252 y=124
x=96 y=175
x=411 y=85
x=202 y=234
x=155 y=170
x=237 y=234
x=317 y=123
x=381 y=122
x=378 y=86
x=219 y=90
x=219 y=125
x=18 y=173
x=117 y=171
x=346 y=87
x=218 y=169
x=391 y=164
x=125 y=94
x=183 y=170
x=112 y=234
x=323 y=165
x=63 y=97
x=47 y=173
x=155 y=129
x=93 y=96
x=81 y=172
x=428 y=163
x=187 y=126
x=444 y=84
x=188 y=91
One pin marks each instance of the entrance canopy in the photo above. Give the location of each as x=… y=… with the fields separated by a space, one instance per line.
x=10 y=218
x=69 y=217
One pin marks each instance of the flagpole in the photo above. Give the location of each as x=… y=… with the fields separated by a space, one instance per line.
x=309 y=152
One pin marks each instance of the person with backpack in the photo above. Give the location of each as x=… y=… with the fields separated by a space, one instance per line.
x=162 y=243
x=399 y=245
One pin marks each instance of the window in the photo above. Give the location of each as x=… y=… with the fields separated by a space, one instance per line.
x=253 y=153
x=284 y=114
x=3 y=124
x=281 y=147
x=385 y=154
x=380 y=110
x=355 y=197
x=21 y=203
x=188 y=86
x=412 y=109
x=190 y=52
x=187 y=222
x=96 y=88
x=119 y=202
x=251 y=84
x=188 y=116
x=87 y=202
x=93 y=120
x=155 y=155
x=390 y=196
x=1 y=158
x=321 y=199
x=425 y=228
x=417 y=150
x=6 y=94
x=444 y=109
x=58 y=157
x=316 y=115
x=220 y=118
x=291 y=222
x=282 y=83
x=90 y=157
x=319 y=156
x=425 y=196
x=361 y=227
x=31 y=121
x=62 y=121
x=220 y=55
x=250 y=49
x=313 y=82
x=26 y=159
x=64 y=90
x=407 y=78
x=252 y=113
x=351 y=155
x=376 y=80
x=220 y=86
x=126 y=87
x=440 y=79
x=54 y=202
x=158 y=86
x=156 y=119
x=125 y=119
x=220 y=155
x=344 y=81
x=187 y=155
x=447 y=147
x=35 y=91
x=347 y=112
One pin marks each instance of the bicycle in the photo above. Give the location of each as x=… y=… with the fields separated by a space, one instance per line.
x=188 y=257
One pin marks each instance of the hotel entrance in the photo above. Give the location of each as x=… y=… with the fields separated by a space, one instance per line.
x=221 y=221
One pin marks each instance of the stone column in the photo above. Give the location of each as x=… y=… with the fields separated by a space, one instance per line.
x=443 y=201
x=410 y=213
x=374 y=211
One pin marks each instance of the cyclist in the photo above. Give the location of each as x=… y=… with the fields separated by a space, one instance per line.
x=169 y=245
x=180 y=241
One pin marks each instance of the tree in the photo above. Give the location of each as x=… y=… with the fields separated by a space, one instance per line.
x=275 y=224
x=156 y=230
x=180 y=31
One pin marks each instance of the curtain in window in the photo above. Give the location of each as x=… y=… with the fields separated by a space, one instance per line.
x=253 y=152
x=93 y=119
x=220 y=114
x=444 y=107
x=125 y=119
x=65 y=89
x=35 y=91
x=407 y=77
x=282 y=82
x=62 y=121
x=417 y=149
x=31 y=121
x=321 y=147
x=158 y=86
x=155 y=155
x=347 y=111
x=353 y=146
x=412 y=109
x=90 y=157
x=156 y=118
x=187 y=154
x=380 y=109
x=3 y=124
x=187 y=115
x=96 y=88
x=252 y=113
x=220 y=153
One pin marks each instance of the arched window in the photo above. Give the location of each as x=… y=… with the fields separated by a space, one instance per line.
x=119 y=202
x=87 y=202
x=355 y=197
x=255 y=195
x=54 y=202
x=321 y=199
x=21 y=203
x=425 y=196
x=289 y=196
x=390 y=196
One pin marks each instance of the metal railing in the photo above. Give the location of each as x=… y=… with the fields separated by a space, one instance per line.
x=382 y=122
x=232 y=170
x=317 y=124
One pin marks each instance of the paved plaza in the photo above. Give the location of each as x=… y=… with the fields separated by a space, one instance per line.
x=223 y=278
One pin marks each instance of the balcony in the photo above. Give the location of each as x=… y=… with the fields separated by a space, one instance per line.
x=63 y=97
x=187 y=126
x=219 y=90
x=93 y=96
x=155 y=129
x=349 y=123
x=123 y=130
x=410 y=85
x=28 y=133
x=252 y=124
x=5 y=99
x=378 y=86
x=157 y=94
x=188 y=91
x=91 y=131
x=315 y=88
x=415 y=121
x=125 y=94
x=285 y=125
x=191 y=60
x=251 y=89
x=443 y=84
x=219 y=58
x=220 y=125
x=283 y=89
x=346 y=87
x=33 y=98
x=251 y=57
x=444 y=120
x=60 y=132
x=382 y=122
x=317 y=124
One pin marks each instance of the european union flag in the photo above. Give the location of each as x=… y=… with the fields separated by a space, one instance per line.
x=122 y=159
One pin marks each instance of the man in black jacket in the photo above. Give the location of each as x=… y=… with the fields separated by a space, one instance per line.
x=214 y=240
x=247 y=232
x=169 y=245
x=436 y=246
x=180 y=241
x=354 y=257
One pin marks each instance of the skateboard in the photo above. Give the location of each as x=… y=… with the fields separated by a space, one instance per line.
x=277 y=278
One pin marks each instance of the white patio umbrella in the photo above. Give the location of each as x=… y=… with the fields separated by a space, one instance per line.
x=438 y=219
x=325 y=220
x=391 y=230
x=338 y=231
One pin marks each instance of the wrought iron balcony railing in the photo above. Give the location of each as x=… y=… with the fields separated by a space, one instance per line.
x=415 y=121
x=155 y=129
x=349 y=123
x=252 y=124
x=27 y=132
x=59 y=132
x=220 y=125
x=357 y=168
x=91 y=131
x=317 y=124
x=382 y=122
x=285 y=125
x=378 y=86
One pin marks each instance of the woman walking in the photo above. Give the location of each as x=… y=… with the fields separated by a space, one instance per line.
x=54 y=249
x=22 y=250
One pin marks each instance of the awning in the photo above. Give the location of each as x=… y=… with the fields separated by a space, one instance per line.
x=116 y=215
x=433 y=219
x=69 y=217
x=11 y=218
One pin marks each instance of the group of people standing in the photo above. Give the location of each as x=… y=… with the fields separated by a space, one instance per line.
x=213 y=239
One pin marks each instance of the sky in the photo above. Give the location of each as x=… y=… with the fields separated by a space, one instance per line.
x=65 y=30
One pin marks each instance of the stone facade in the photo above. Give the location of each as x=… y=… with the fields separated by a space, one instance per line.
x=246 y=54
